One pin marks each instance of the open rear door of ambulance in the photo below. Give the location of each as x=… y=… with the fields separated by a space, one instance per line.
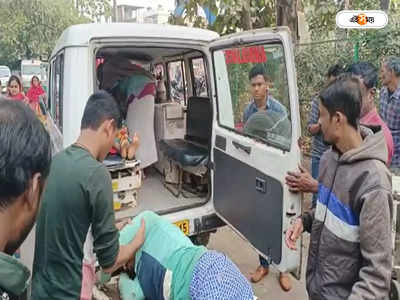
x=254 y=145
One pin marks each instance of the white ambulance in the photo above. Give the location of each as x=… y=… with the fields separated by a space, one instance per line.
x=209 y=171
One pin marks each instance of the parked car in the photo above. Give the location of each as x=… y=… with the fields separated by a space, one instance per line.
x=5 y=74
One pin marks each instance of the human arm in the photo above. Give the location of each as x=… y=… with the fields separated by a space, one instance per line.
x=126 y=252
x=301 y=181
x=312 y=124
x=375 y=246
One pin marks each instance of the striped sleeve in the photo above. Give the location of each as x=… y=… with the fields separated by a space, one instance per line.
x=314 y=112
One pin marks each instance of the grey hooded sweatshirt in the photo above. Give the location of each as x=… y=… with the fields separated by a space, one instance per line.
x=350 y=245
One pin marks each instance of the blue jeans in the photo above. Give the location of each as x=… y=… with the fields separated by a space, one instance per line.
x=314 y=174
x=263 y=262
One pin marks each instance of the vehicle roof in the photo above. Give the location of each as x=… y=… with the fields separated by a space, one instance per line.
x=4 y=67
x=80 y=35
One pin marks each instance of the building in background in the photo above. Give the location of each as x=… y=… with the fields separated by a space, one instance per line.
x=159 y=15
x=142 y=11
x=130 y=13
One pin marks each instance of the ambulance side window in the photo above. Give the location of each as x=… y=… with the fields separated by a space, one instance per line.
x=199 y=78
x=56 y=90
x=176 y=81
x=253 y=93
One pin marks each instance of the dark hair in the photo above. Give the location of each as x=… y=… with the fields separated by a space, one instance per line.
x=367 y=71
x=334 y=71
x=258 y=70
x=33 y=77
x=25 y=150
x=16 y=78
x=100 y=106
x=343 y=95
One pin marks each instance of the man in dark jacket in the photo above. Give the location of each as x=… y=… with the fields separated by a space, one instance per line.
x=350 y=244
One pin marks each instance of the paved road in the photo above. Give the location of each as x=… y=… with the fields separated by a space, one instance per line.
x=228 y=242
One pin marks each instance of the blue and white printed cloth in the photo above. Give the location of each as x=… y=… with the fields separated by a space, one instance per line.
x=217 y=277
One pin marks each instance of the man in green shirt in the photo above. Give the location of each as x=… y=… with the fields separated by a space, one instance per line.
x=25 y=156
x=76 y=223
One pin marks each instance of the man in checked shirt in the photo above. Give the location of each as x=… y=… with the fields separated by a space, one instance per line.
x=389 y=108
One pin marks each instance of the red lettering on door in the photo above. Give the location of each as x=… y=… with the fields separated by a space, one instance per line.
x=255 y=54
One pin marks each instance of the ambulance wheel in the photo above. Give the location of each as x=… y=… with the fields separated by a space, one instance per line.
x=201 y=239
x=395 y=290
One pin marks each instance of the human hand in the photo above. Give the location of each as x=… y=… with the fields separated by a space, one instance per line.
x=314 y=128
x=301 y=181
x=136 y=140
x=293 y=233
x=122 y=224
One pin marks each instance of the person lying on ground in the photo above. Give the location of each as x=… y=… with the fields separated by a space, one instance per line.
x=169 y=266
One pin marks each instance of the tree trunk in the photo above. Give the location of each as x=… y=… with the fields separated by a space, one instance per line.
x=247 y=24
x=286 y=15
x=342 y=34
x=114 y=13
x=385 y=4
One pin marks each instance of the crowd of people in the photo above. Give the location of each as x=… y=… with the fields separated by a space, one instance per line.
x=354 y=145
x=34 y=95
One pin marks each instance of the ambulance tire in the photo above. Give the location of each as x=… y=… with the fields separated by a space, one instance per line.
x=201 y=239
x=395 y=290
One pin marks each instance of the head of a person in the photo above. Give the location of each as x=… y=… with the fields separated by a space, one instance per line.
x=14 y=86
x=368 y=76
x=25 y=157
x=35 y=81
x=390 y=70
x=339 y=108
x=333 y=72
x=259 y=82
x=102 y=116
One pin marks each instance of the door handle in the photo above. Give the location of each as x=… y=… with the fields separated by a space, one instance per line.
x=246 y=149
x=261 y=185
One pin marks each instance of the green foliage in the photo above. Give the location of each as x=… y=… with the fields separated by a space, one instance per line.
x=313 y=60
x=312 y=63
x=30 y=28
x=230 y=14
x=95 y=9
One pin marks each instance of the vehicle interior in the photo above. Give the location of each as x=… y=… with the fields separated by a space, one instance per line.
x=163 y=95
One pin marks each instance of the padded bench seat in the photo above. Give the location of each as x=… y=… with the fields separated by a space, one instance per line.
x=184 y=152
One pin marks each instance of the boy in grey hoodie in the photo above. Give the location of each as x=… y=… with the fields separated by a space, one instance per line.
x=350 y=244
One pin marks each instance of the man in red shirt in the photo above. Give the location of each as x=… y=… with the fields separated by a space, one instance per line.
x=301 y=181
x=368 y=75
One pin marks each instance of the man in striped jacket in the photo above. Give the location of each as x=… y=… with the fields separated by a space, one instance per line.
x=350 y=244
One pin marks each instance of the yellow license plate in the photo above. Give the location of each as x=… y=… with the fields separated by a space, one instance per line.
x=183 y=226
x=115 y=186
